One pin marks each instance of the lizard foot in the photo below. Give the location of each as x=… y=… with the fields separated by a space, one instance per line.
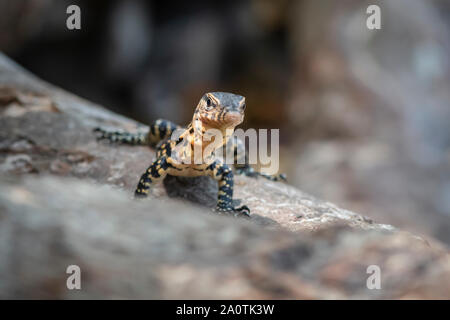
x=242 y=211
x=139 y=195
x=278 y=177
x=100 y=133
x=250 y=172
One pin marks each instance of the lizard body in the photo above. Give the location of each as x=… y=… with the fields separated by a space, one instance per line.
x=216 y=110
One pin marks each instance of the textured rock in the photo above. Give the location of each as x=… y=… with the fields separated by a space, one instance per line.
x=129 y=249
x=66 y=199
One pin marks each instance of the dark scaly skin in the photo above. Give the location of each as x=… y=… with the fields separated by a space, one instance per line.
x=215 y=110
x=159 y=130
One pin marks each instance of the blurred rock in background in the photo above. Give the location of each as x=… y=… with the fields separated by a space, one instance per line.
x=367 y=111
x=376 y=107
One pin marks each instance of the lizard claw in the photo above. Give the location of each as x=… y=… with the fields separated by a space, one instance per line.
x=277 y=177
x=242 y=211
x=139 y=196
x=99 y=130
x=247 y=171
x=250 y=172
x=100 y=133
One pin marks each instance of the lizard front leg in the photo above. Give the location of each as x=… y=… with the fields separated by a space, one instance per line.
x=156 y=172
x=224 y=175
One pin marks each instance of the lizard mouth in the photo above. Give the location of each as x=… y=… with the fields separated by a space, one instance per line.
x=233 y=118
x=224 y=119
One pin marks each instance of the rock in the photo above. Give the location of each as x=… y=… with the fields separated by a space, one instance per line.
x=66 y=199
x=356 y=105
x=170 y=249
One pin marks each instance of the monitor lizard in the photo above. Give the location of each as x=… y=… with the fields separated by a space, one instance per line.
x=216 y=110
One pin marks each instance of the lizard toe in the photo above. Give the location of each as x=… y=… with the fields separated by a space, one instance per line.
x=242 y=211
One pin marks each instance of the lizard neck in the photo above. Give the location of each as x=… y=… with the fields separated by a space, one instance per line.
x=197 y=135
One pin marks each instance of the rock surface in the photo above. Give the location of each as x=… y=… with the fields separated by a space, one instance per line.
x=66 y=199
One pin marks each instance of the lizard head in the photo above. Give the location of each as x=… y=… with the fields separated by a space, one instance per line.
x=220 y=110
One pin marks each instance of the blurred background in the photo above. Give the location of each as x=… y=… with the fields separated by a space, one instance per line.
x=364 y=115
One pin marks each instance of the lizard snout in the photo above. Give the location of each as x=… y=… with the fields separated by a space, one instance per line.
x=234 y=117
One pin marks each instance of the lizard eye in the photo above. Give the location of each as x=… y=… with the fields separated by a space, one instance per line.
x=208 y=102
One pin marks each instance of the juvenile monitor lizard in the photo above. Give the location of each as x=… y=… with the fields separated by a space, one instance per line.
x=216 y=110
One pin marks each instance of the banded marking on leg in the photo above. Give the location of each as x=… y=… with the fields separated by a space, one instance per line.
x=161 y=129
x=164 y=150
x=224 y=175
x=156 y=172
